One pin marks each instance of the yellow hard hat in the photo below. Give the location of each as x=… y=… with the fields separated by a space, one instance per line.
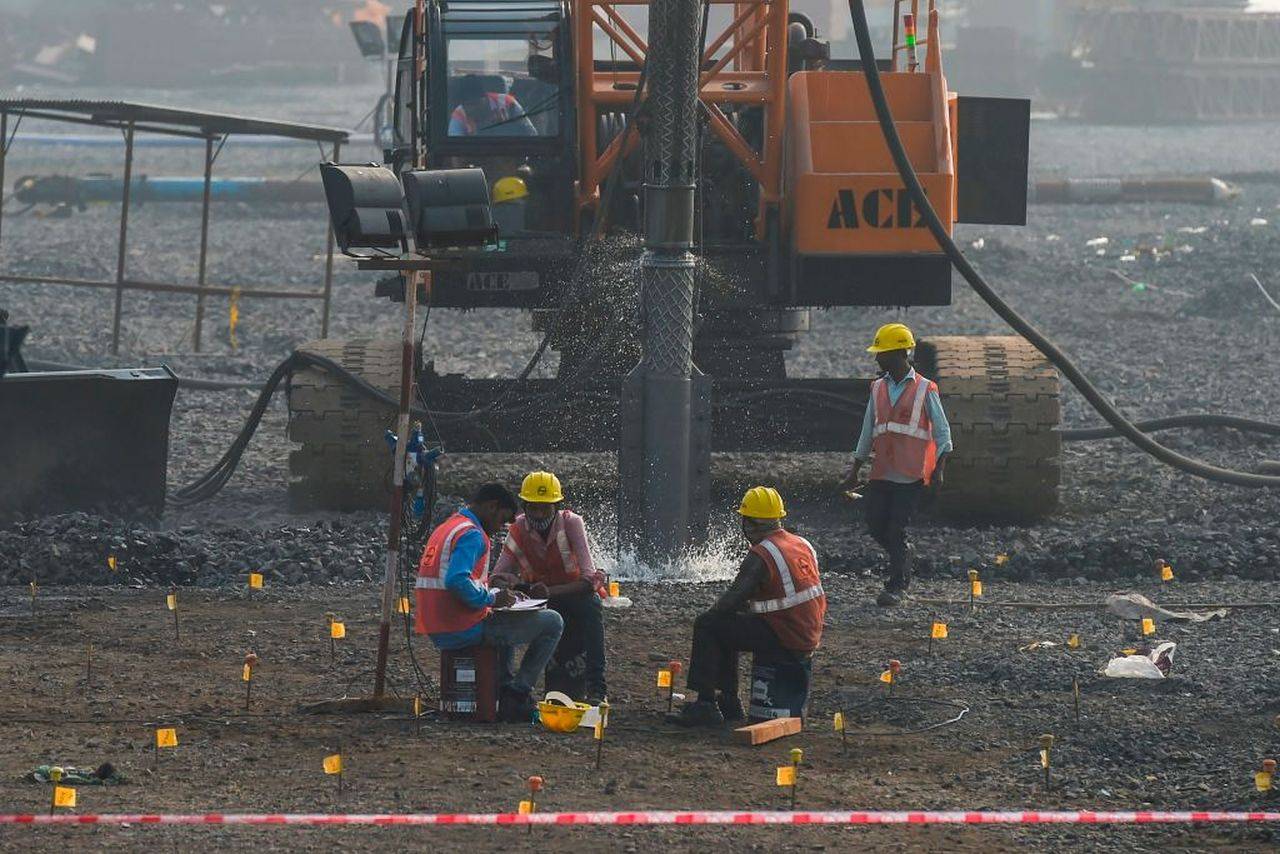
x=762 y=502
x=892 y=336
x=541 y=487
x=509 y=189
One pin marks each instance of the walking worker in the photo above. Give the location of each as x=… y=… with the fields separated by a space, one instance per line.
x=906 y=436
x=774 y=607
x=456 y=606
x=547 y=554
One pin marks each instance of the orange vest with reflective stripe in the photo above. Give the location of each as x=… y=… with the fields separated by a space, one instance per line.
x=539 y=561
x=550 y=561
x=438 y=609
x=902 y=439
x=791 y=600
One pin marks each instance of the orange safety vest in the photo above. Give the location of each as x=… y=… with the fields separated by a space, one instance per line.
x=902 y=439
x=499 y=105
x=538 y=561
x=438 y=609
x=792 y=600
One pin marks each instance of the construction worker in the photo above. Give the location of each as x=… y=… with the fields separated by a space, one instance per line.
x=456 y=606
x=547 y=555
x=774 y=607
x=480 y=112
x=906 y=436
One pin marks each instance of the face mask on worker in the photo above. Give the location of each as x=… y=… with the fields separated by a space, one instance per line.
x=541 y=524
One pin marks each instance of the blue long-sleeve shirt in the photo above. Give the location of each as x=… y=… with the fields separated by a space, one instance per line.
x=937 y=418
x=467 y=549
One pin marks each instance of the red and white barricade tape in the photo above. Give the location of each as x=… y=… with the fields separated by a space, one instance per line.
x=659 y=818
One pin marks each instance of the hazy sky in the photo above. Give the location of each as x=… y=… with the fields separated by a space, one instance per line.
x=1266 y=5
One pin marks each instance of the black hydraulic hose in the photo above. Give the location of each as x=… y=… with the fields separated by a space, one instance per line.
x=1173 y=422
x=1021 y=325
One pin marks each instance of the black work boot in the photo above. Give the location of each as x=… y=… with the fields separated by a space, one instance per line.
x=702 y=713
x=895 y=586
x=730 y=707
x=515 y=707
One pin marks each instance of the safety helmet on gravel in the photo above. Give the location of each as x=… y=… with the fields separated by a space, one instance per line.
x=892 y=336
x=541 y=487
x=762 y=502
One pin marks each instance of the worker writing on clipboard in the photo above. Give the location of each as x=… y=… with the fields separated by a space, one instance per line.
x=457 y=609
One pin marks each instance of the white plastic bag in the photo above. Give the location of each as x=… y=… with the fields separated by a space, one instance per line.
x=1155 y=665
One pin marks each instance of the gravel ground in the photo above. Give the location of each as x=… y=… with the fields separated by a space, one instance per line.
x=1198 y=337
x=1192 y=741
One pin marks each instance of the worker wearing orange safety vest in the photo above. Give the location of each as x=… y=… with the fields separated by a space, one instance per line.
x=906 y=436
x=546 y=554
x=774 y=608
x=483 y=113
x=457 y=608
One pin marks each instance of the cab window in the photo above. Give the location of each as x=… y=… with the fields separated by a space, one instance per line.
x=502 y=86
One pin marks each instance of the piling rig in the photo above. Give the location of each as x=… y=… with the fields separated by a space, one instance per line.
x=798 y=206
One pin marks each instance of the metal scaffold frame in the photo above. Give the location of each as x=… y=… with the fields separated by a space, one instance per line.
x=214 y=128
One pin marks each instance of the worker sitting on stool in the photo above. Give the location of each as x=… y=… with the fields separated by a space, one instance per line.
x=907 y=430
x=455 y=604
x=774 y=607
x=546 y=552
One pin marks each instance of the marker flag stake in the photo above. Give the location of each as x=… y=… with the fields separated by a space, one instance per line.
x=33 y=597
x=55 y=774
x=172 y=601
x=333 y=765
x=1075 y=693
x=601 y=726
x=796 y=755
x=417 y=715
x=535 y=783
x=1046 y=744
x=165 y=737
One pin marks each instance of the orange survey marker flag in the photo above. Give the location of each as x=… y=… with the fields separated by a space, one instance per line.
x=167 y=737
x=333 y=763
x=786 y=775
x=337 y=629
x=939 y=631
x=664 y=678
x=402 y=605
x=64 y=796
x=255 y=580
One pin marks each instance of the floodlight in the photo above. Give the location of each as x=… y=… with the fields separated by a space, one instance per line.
x=369 y=39
x=449 y=207
x=366 y=205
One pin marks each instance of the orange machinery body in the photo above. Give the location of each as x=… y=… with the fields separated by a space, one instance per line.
x=844 y=196
x=823 y=167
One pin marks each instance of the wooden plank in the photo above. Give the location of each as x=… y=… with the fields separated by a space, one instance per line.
x=766 y=731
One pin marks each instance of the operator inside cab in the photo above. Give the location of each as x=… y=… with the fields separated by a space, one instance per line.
x=480 y=112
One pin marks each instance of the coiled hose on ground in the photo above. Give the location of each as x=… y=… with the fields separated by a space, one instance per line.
x=1121 y=425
